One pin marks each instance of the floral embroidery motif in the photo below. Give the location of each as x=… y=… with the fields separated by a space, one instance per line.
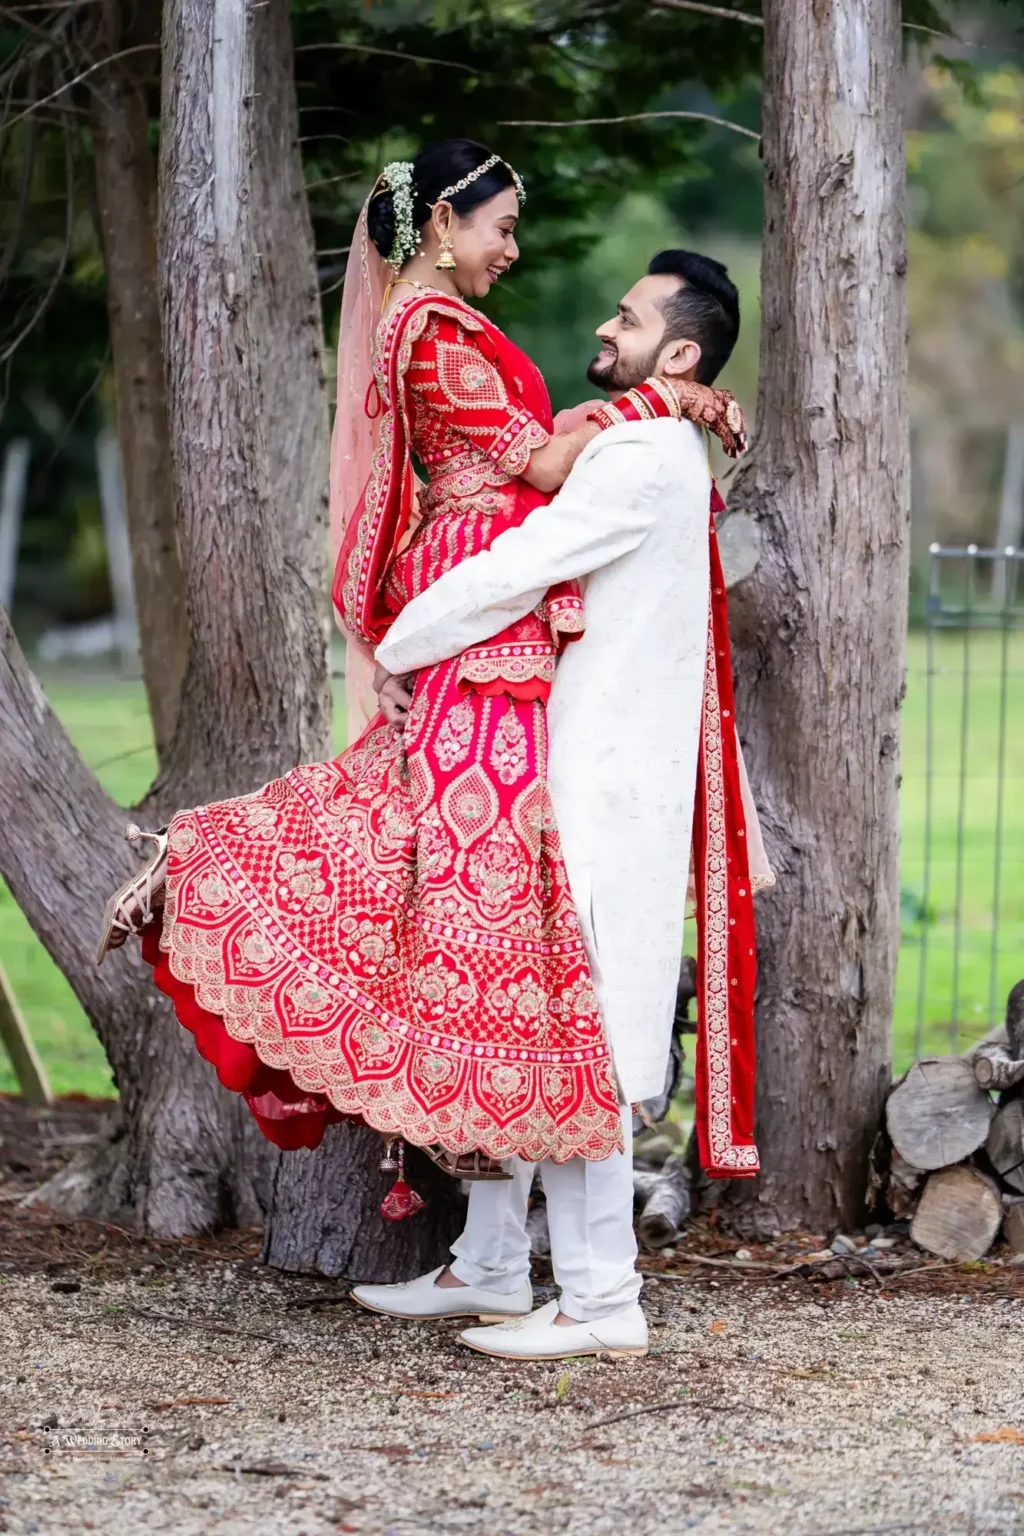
x=524 y=998
x=508 y=749
x=455 y=735
x=497 y=869
x=302 y=887
x=308 y=998
x=440 y=988
x=182 y=836
x=470 y=805
x=257 y=948
x=213 y=890
x=371 y=946
x=258 y=819
x=435 y=852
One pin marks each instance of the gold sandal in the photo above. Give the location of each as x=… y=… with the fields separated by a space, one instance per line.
x=473 y=1166
x=131 y=906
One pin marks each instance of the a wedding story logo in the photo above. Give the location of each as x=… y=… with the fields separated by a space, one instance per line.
x=107 y=1443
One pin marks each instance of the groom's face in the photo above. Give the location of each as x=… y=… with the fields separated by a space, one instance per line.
x=633 y=342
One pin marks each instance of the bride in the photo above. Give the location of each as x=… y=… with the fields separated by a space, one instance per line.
x=390 y=936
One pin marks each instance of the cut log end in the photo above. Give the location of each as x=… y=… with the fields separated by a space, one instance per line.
x=996 y=1068
x=959 y=1214
x=938 y=1115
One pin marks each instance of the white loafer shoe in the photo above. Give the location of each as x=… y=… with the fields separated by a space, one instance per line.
x=539 y=1337
x=424 y=1298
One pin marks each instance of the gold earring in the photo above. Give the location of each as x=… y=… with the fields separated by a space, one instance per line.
x=446 y=259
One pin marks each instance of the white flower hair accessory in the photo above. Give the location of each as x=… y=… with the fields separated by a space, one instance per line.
x=397 y=178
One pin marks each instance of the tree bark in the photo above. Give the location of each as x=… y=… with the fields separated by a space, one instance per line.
x=256 y=698
x=819 y=628
x=325 y=1212
x=126 y=204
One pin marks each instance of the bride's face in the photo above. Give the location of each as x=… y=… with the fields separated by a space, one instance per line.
x=484 y=243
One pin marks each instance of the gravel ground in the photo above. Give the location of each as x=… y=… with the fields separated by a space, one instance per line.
x=247 y=1401
x=771 y=1409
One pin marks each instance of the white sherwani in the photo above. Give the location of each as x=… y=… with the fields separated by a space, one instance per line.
x=624 y=716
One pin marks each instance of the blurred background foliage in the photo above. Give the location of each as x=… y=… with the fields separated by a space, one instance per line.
x=375 y=80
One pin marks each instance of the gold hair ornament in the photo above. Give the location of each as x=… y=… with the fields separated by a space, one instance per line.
x=481 y=170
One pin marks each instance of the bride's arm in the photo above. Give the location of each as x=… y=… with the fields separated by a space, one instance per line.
x=549 y=466
x=450 y=377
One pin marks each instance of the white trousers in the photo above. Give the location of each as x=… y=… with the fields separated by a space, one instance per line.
x=590 y=1220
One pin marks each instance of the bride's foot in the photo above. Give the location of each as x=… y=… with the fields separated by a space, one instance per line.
x=131 y=906
x=467 y=1165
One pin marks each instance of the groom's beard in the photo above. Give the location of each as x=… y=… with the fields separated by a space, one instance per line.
x=621 y=373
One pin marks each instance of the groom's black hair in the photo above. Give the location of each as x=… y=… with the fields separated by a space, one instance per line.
x=705 y=308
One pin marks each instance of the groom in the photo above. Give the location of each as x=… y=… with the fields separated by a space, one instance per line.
x=624 y=725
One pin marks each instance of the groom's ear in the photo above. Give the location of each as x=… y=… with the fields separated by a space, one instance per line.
x=679 y=359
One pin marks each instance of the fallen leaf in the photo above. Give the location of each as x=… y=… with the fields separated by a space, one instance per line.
x=720 y=1326
x=405 y=1392
x=564 y=1383
x=1006 y=1434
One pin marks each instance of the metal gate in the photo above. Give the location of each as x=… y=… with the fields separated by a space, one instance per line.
x=962 y=803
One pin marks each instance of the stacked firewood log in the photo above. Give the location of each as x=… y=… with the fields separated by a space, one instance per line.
x=956 y=1128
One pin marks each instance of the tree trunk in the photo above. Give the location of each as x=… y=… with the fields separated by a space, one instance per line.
x=126 y=203
x=255 y=699
x=819 y=628
x=325 y=1214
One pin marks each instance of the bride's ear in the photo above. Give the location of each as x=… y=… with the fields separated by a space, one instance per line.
x=440 y=218
x=679 y=359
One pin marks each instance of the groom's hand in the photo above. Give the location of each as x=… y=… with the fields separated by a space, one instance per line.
x=395 y=694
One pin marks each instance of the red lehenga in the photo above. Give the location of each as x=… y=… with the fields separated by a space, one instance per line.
x=390 y=936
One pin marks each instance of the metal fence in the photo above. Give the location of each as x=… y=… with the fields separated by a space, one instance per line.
x=962 y=806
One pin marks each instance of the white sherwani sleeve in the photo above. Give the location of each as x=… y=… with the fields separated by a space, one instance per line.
x=604 y=510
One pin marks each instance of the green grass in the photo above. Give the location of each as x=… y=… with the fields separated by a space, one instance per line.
x=108 y=722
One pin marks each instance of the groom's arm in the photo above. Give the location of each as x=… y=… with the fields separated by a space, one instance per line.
x=604 y=510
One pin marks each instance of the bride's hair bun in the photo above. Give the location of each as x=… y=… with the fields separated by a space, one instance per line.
x=380 y=220
x=436 y=167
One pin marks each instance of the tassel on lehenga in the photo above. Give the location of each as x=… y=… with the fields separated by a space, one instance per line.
x=401 y=1199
